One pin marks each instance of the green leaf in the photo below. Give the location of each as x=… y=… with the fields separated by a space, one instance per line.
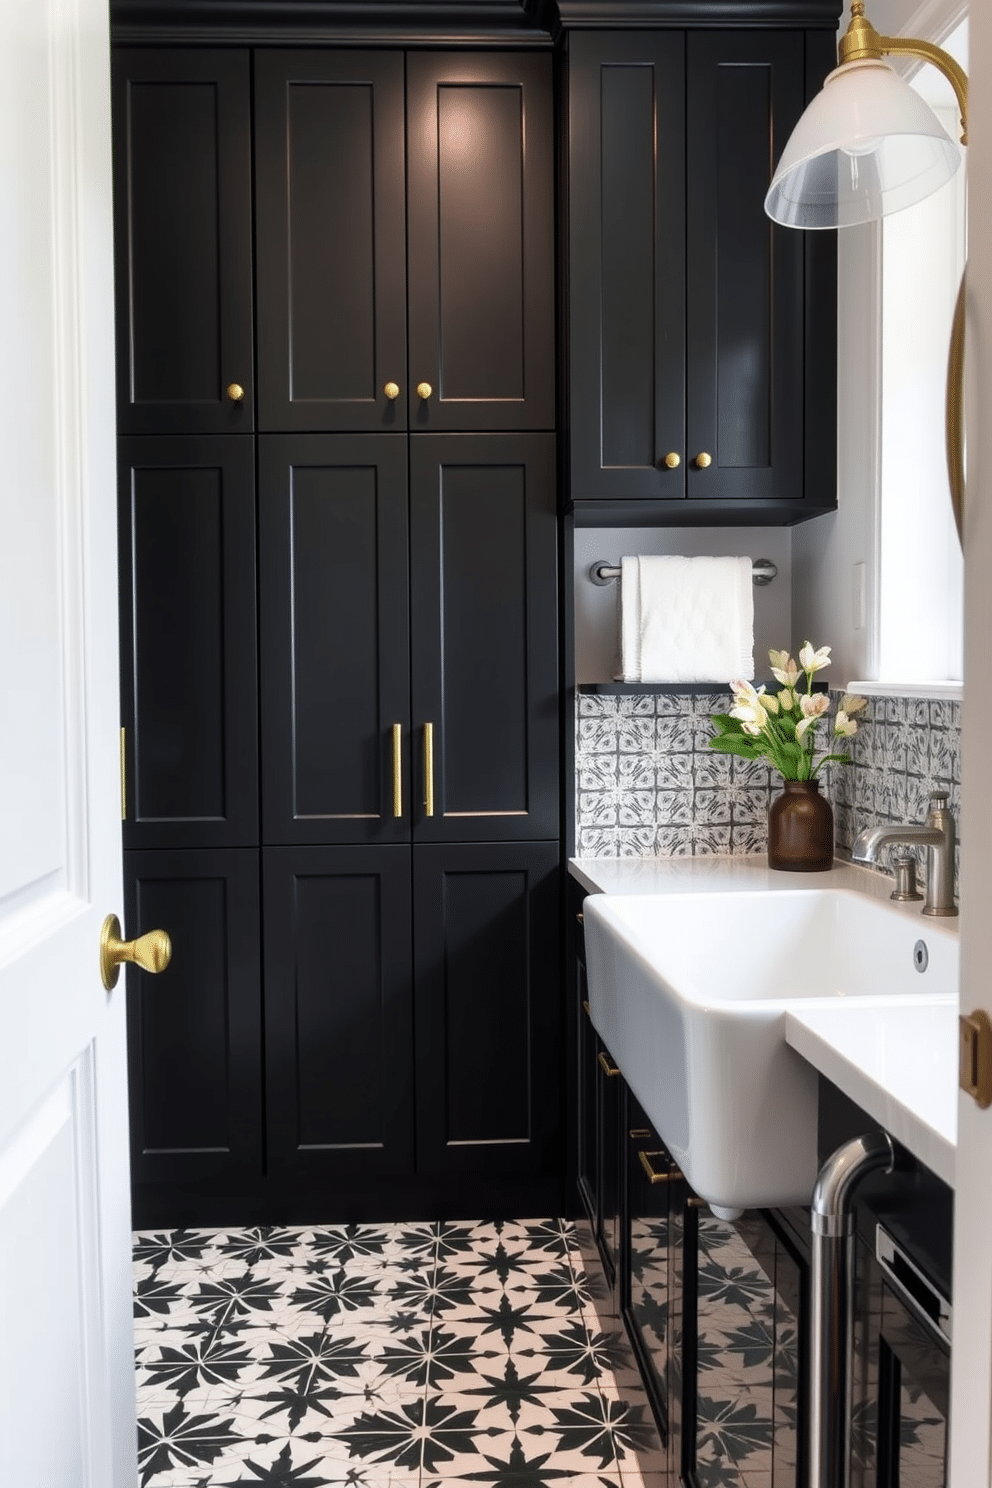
x=728 y=744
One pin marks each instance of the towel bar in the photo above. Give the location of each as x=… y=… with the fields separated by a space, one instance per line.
x=763 y=570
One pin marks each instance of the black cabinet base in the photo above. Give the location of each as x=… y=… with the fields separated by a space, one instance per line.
x=375 y=1202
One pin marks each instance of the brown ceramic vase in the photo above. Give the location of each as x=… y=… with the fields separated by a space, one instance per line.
x=801 y=829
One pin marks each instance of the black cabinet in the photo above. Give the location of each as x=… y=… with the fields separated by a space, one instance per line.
x=694 y=393
x=195 y=1031
x=186 y=518
x=183 y=235
x=346 y=663
x=404 y=197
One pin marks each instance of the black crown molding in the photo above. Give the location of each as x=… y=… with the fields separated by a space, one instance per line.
x=351 y=22
x=580 y=15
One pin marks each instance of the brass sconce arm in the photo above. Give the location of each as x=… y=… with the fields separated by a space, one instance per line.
x=862 y=42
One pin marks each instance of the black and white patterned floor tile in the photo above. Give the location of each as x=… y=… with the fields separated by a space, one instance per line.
x=377 y=1356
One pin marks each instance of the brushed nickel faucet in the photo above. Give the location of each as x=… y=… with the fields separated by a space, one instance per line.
x=936 y=834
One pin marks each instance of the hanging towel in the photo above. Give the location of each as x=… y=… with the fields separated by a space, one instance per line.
x=686 y=619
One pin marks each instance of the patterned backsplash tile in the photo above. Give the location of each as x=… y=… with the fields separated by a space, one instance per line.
x=648 y=785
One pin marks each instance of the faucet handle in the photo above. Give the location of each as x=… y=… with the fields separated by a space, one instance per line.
x=904 y=868
x=939 y=798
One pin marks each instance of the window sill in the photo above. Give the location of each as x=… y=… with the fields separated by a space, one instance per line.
x=952 y=691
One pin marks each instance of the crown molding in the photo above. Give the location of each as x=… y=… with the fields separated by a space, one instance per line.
x=576 y=15
x=353 y=22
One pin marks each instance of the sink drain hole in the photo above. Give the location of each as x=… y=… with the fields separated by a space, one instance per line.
x=921 y=956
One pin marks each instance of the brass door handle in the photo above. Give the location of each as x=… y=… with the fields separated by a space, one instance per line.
x=152 y=951
x=608 y=1068
x=397 y=769
x=428 y=769
x=392 y=390
x=235 y=392
x=702 y=461
x=424 y=390
x=673 y=460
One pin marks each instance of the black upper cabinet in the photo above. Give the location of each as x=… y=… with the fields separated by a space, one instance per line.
x=182 y=230
x=331 y=243
x=335 y=645
x=690 y=338
x=484 y=664
x=355 y=204
x=186 y=517
x=481 y=241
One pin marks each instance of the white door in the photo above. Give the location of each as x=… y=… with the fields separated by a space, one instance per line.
x=971 y=1359
x=66 y=1363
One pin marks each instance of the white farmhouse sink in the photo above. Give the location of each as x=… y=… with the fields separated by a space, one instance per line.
x=690 y=992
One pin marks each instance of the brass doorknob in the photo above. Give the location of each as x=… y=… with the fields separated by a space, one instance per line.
x=152 y=952
x=701 y=461
x=235 y=392
x=672 y=460
x=424 y=390
x=392 y=390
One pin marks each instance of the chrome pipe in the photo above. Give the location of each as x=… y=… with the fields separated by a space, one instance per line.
x=831 y=1330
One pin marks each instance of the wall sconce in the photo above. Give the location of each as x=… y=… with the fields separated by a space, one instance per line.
x=867 y=146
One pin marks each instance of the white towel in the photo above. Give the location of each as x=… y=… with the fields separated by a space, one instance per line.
x=686 y=619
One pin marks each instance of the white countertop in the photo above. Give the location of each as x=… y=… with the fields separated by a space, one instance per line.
x=896 y=1059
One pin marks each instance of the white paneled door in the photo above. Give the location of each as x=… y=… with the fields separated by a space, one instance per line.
x=66 y=1370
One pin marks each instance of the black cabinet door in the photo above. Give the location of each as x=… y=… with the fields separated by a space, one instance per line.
x=626 y=153
x=188 y=666
x=335 y=637
x=194 y=1031
x=338 y=1012
x=645 y=1299
x=481 y=240
x=331 y=240
x=744 y=276
x=486 y=961
x=483 y=547
x=183 y=234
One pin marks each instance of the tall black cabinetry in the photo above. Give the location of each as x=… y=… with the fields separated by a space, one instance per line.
x=340 y=697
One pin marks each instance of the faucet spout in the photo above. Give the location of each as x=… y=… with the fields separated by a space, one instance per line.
x=936 y=834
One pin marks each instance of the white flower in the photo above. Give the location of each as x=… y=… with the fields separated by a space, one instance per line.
x=787 y=700
x=784 y=668
x=851 y=703
x=770 y=704
x=813 y=705
x=803 y=726
x=749 y=710
x=843 y=725
x=814 y=661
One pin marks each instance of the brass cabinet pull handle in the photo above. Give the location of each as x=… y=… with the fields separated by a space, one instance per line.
x=607 y=1067
x=424 y=390
x=703 y=460
x=235 y=392
x=392 y=390
x=673 y=460
x=152 y=952
x=652 y=1175
x=581 y=917
x=397 y=769
x=638 y=1133
x=585 y=1007
x=428 y=769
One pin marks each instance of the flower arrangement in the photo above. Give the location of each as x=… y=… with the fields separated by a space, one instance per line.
x=781 y=727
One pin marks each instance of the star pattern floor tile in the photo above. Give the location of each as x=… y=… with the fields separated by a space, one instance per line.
x=376 y=1356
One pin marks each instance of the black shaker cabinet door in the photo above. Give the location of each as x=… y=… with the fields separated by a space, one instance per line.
x=488 y=1008
x=188 y=664
x=183 y=233
x=335 y=638
x=483 y=562
x=194 y=1031
x=481 y=241
x=338 y=1011
x=626 y=127
x=745 y=276
x=331 y=240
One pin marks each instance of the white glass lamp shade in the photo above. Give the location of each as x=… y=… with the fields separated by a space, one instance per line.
x=867 y=145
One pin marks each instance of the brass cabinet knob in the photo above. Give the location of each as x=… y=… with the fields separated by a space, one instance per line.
x=392 y=390
x=701 y=461
x=672 y=460
x=152 y=952
x=235 y=392
x=424 y=390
